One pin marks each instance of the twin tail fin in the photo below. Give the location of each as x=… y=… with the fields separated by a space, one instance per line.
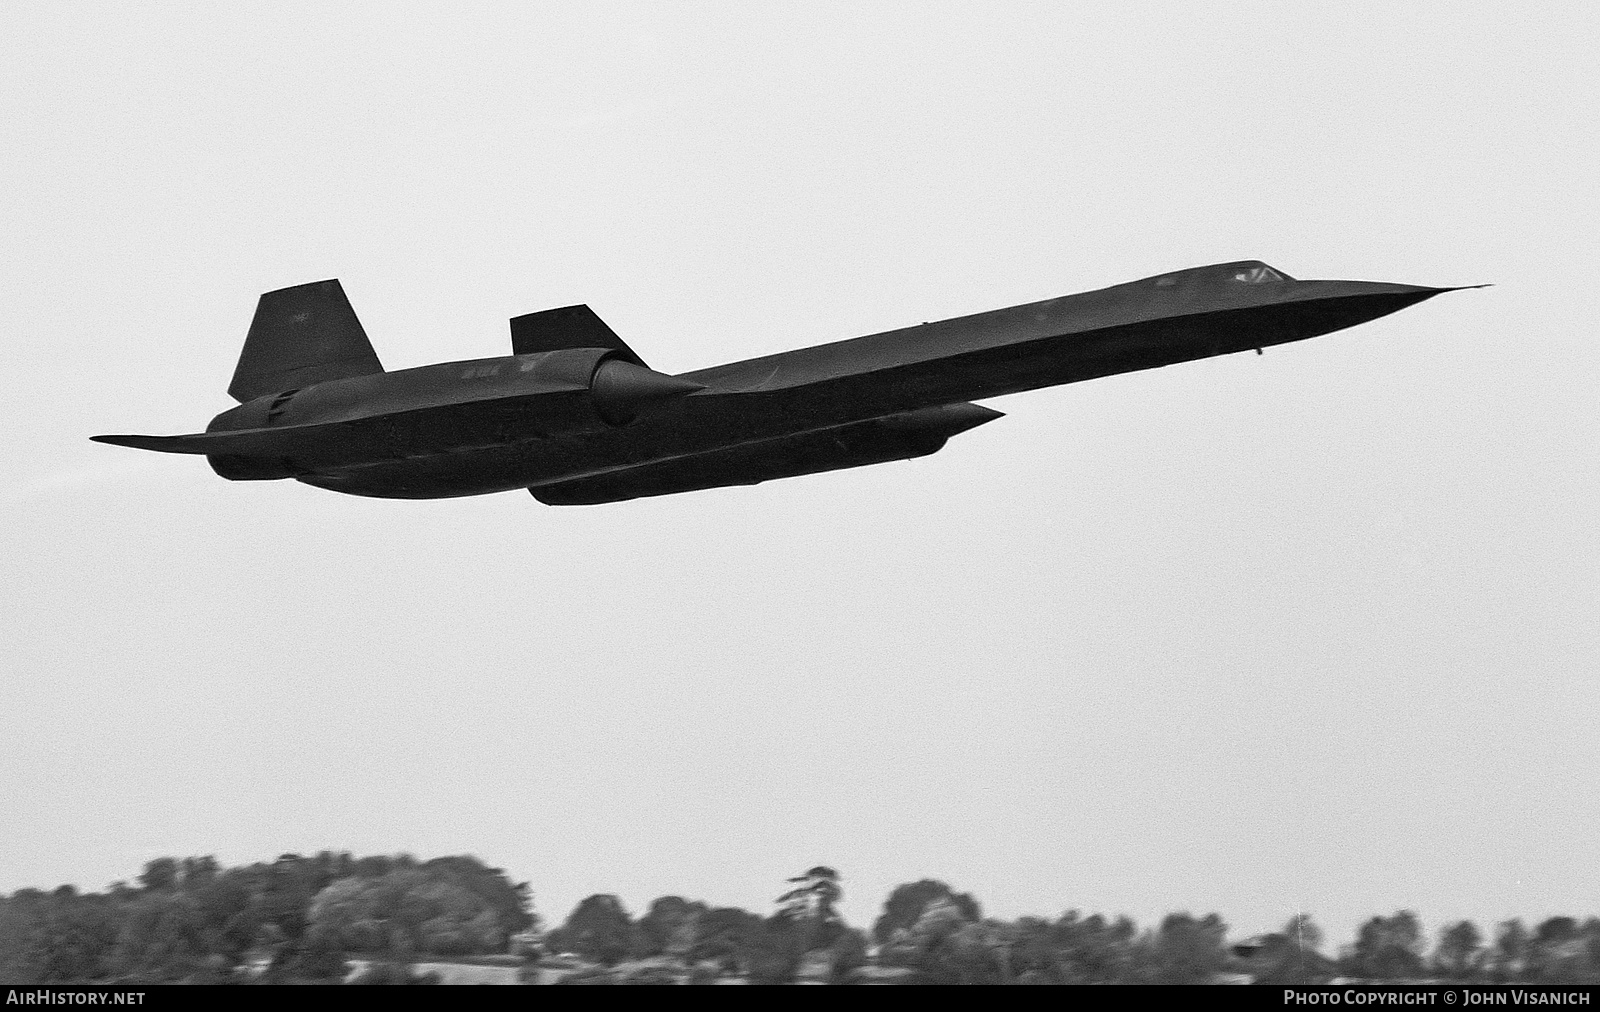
x=299 y=336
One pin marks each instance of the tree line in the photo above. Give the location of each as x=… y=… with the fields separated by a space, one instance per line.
x=297 y=918
x=304 y=918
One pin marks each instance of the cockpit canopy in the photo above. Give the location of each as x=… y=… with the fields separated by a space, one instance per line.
x=1260 y=274
x=1242 y=272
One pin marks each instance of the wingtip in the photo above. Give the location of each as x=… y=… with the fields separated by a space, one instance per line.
x=160 y=444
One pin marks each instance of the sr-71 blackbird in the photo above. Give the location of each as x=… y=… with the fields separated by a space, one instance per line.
x=576 y=417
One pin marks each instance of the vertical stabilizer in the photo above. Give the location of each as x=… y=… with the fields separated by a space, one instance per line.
x=567 y=327
x=302 y=335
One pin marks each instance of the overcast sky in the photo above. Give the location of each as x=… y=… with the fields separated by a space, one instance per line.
x=1310 y=631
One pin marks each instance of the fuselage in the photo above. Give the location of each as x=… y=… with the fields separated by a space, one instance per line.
x=545 y=420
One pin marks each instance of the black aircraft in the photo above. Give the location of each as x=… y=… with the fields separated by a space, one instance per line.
x=576 y=417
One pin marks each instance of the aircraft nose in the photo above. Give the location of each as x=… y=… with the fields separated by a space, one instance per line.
x=1321 y=307
x=1349 y=289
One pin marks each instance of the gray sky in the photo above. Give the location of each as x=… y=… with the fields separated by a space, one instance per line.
x=1315 y=630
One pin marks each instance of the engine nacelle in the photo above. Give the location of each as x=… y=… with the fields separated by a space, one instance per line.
x=622 y=390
